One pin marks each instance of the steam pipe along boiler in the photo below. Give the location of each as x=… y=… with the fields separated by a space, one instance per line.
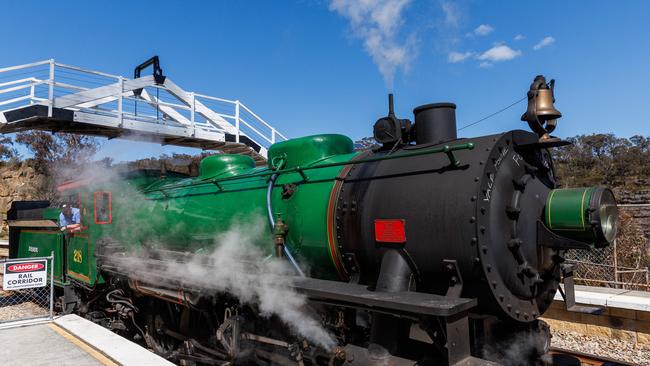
x=426 y=248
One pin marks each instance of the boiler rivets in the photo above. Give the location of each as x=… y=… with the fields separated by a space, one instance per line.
x=489 y=268
x=476 y=179
x=472 y=219
x=501 y=297
x=474 y=198
x=484 y=249
x=494 y=284
x=509 y=306
x=482 y=229
x=474 y=240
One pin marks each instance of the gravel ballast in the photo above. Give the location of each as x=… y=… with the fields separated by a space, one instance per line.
x=602 y=346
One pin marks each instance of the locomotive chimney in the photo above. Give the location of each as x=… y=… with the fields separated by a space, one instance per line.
x=435 y=123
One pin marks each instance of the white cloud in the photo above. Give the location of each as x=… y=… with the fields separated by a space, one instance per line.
x=499 y=53
x=485 y=65
x=377 y=23
x=483 y=30
x=455 y=57
x=544 y=42
x=519 y=37
x=452 y=13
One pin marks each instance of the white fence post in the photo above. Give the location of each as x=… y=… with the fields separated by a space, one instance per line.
x=193 y=112
x=273 y=135
x=52 y=285
x=237 y=120
x=50 y=94
x=119 y=103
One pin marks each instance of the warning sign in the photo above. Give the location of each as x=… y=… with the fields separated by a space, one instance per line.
x=19 y=275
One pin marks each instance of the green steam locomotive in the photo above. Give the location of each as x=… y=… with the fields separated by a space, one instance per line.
x=427 y=249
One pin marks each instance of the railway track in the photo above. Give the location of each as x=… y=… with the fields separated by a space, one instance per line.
x=564 y=357
x=561 y=356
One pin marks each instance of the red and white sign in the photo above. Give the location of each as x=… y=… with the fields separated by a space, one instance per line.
x=20 y=275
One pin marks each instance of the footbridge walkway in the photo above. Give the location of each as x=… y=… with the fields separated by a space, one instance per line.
x=56 y=97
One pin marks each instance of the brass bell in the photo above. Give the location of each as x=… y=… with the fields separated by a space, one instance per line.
x=544 y=105
x=541 y=114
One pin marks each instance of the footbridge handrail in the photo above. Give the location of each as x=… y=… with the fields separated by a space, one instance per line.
x=142 y=107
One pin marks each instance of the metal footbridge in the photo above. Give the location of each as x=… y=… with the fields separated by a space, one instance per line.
x=60 y=98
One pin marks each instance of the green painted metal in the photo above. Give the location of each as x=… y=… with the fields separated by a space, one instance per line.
x=307 y=150
x=567 y=212
x=192 y=214
x=225 y=165
x=52 y=213
x=40 y=243
x=447 y=149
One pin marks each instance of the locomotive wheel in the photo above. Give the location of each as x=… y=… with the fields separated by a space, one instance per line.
x=157 y=321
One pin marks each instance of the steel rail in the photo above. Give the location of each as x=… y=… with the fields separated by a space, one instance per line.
x=586 y=358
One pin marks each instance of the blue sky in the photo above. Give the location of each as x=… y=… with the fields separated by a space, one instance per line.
x=311 y=67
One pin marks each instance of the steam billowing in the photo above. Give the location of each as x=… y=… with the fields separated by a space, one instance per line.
x=378 y=23
x=519 y=350
x=238 y=267
x=233 y=264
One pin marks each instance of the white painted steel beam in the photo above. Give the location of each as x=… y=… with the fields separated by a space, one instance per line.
x=104 y=107
x=98 y=94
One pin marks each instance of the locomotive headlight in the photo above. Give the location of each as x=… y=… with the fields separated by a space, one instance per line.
x=585 y=214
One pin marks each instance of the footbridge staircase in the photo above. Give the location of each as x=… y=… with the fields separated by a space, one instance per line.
x=60 y=98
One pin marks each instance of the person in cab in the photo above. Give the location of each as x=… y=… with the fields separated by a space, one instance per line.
x=70 y=218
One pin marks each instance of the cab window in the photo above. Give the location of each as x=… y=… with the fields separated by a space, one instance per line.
x=103 y=208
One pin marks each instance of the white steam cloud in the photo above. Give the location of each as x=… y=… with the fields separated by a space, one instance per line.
x=377 y=23
x=452 y=13
x=230 y=264
x=238 y=267
x=518 y=350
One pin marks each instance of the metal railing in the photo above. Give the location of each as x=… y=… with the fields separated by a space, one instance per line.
x=28 y=304
x=114 y=100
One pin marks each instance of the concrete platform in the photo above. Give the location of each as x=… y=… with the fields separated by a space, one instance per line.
x=70 y=340
x=611 y=298
x=626 y=314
